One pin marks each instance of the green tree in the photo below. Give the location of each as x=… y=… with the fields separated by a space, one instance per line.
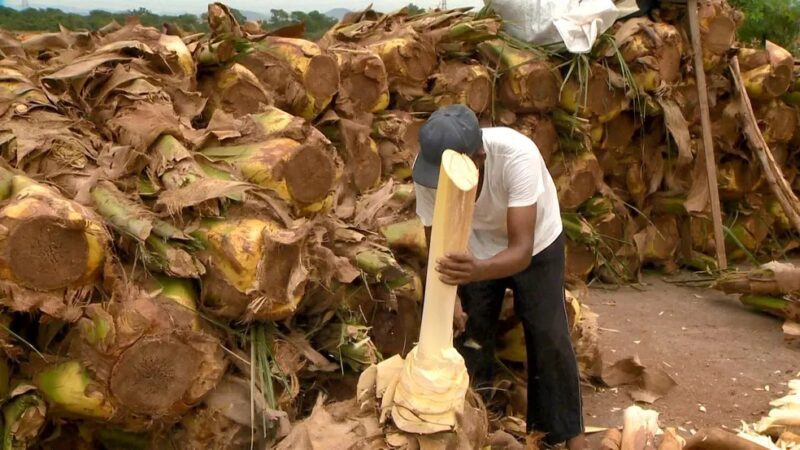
x=316 y=23
x=774 y=20
x=238 y=16
x=278 y=18
x=413 y=9
x=49 y=19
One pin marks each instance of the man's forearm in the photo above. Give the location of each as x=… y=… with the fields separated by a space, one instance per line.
x=508 y=262
x=465 y=268
x=504 y=264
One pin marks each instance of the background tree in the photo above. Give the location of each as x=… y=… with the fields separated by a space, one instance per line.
x=49 y=19
x=315 y=22
x=414 y=9
x=774 y=20
x=238 y=16
x=279 y=18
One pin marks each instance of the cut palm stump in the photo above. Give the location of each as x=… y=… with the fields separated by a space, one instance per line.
x=426 y=391
x=52 y=249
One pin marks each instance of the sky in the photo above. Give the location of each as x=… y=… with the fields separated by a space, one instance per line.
x=262 y=6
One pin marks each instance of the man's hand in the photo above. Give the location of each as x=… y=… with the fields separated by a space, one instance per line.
x=458 y=269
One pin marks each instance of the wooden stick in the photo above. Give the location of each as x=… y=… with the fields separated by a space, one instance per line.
x=708 y=144
x=777 y=182
x=452 y=221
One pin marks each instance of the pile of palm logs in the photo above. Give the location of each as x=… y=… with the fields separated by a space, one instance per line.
x=204 y=232
x=619 y=128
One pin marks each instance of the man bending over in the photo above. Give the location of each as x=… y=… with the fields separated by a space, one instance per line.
x=516 y=243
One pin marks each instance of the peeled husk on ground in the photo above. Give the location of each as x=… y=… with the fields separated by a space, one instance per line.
x=777 y=429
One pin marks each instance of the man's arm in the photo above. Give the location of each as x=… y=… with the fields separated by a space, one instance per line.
x=461 y=269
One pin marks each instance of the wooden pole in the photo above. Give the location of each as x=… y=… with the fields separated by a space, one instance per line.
x=452 y=221
x=772 y=172
x=708 y=144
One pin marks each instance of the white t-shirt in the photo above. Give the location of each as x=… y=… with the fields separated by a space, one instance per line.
x=514 y=176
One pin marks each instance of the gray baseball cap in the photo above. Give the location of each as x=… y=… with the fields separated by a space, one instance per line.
x=450 y=128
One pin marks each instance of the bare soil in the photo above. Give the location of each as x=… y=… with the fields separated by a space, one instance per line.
x=729 y=361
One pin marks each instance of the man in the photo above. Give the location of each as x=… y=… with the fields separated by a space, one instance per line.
x=516 y=242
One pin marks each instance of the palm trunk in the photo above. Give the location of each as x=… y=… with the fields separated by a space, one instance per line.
x=53 y=248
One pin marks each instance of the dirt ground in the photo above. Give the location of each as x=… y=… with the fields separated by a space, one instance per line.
x=729 y=362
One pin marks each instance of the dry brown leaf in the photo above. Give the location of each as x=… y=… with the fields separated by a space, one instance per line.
x=679 y=129
x=623 y=372
x=646 y=385
x=323 y=431
x=698 y=198
x=654 y=385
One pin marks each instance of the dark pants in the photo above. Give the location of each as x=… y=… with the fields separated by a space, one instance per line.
x=554 y=391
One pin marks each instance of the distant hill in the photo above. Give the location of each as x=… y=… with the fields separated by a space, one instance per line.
x=252 y=15
x=337 y=13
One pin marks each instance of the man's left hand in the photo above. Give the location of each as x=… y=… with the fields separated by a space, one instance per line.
x=458 y=269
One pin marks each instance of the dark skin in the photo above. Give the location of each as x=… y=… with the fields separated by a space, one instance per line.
x=463 y=268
